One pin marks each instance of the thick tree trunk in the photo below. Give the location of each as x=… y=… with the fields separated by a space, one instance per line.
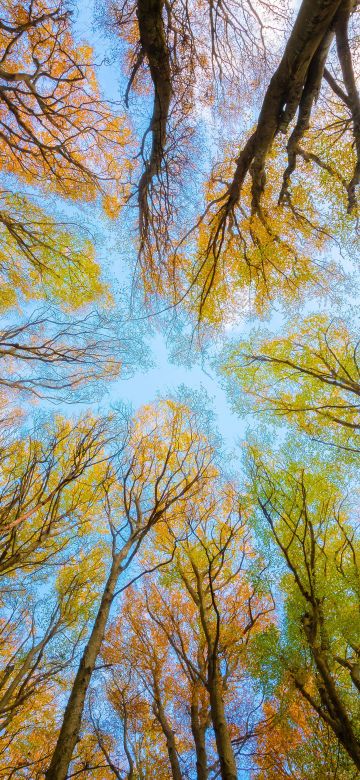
x=70 y=728
x=198 y=732
x=286 y=86
x=341 y=723
x=159 y=713
x=350 y=82
x=154 y=48
x=333 y=709
x=283 y=95
x=223 y=742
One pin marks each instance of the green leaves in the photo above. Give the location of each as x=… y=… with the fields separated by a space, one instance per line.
x=308 y=378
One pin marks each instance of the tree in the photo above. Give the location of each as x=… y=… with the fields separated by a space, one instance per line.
x=294 y=89
x=261 y=230
x=41 y=258
x=230 y=608
x=50 y=486
x=44 y=621
x=138 y=653
x=150 y=678
x=55 y=131
x=308 y=377
x=292 y=92
x=185 y=52
x=137 y=579
x=317 y=536
x=137 y=745
x=296 y=743
x=260 y=259
x=183 y=639
x=164 y=461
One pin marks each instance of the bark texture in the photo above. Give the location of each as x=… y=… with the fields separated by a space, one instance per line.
x=333 y=710
x=160 y=714
x=293 y=86
x=221 y=729
x=70 y=728
x=155 y=50
x=198 y=730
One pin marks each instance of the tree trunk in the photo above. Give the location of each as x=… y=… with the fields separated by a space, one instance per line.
x=159 y=713
x=154 y=47
x=333 y=709
x=70 y=728
x=223 y=742
x=342 y=725
x=283 y=95
x=198 y=732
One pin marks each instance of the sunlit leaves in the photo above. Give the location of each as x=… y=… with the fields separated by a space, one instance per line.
x=308 y=377
x=40 y=258
x=55 y=128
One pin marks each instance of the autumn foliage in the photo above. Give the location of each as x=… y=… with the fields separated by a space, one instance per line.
x=174 y=604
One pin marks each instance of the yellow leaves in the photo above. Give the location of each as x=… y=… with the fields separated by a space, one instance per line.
x=167 y=441
x=270 y=254
x=309 y=376
x=111 y=206
x=235 y=260
x=51 y=494
x=40 y=259
x=79 y=587
x=85 y=53
x=332 y=160
x=28 y=738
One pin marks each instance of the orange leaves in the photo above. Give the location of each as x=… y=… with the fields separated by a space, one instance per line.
x=55 y=128
x=182 y=634
x=291 y=736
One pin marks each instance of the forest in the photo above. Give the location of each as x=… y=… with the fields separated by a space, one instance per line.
x=180 y=390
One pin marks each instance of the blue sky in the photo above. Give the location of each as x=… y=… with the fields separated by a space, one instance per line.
x=116 y=253
x=115 y=247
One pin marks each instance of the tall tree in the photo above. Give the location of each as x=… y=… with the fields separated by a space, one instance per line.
x=230 y=609
x=44 y=621
x=189 y=649
x=185 y=51
x=137 y=650
x=163 y=462
x=318 y=539
x=260 y=230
